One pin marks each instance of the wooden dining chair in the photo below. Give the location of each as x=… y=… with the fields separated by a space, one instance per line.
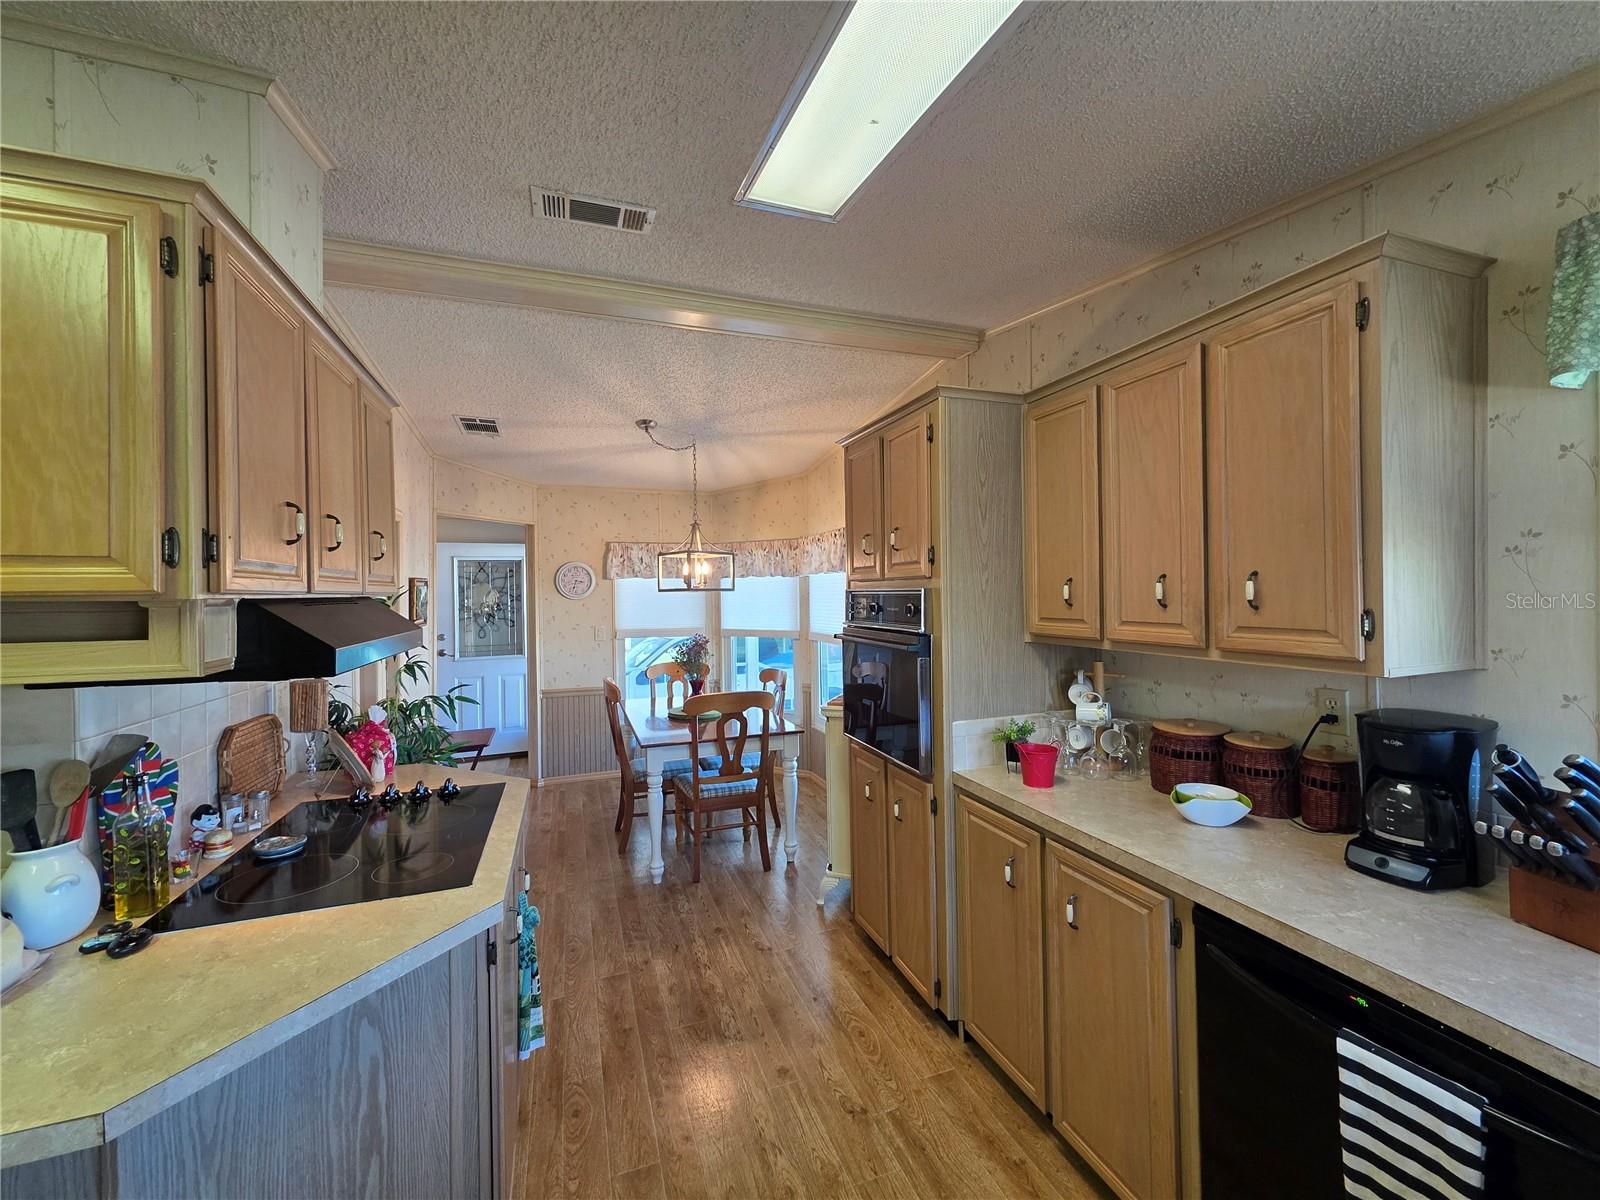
x=730 y=785
x=630 y=763
x=675 y=680
x=776 y=680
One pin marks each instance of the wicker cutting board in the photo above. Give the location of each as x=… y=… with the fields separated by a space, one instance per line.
x=251 y=756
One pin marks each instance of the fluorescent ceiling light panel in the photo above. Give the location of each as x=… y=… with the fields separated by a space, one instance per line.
x=887 y=65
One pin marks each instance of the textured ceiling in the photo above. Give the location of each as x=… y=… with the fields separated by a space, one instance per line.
x=759 y=408
x=1097 y=136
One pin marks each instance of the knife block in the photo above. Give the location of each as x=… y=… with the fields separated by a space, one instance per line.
x=1556 y=905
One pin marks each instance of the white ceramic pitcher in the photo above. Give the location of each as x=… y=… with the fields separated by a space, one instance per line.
x=52 y=894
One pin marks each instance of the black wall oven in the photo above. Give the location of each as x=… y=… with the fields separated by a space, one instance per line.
x=888 y=679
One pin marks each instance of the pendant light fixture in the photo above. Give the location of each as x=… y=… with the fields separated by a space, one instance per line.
x=695 y=565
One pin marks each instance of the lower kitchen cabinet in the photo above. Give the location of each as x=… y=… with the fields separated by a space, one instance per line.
x=1000 y=884
x=911 y=937
x=869 y=844
x=1113 y=1039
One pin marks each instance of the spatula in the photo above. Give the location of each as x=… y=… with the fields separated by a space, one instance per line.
x=67 y=782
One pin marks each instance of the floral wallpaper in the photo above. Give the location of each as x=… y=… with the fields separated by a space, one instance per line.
x=99 y=109
x=1504 y=194
x=463 y=491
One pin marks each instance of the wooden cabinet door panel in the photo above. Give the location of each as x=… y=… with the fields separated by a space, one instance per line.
x=869 y=844
x=863 y=507
x=1153 y=500
x=335 y=417
x=907 y=498
x=258 y=419
x=1002 y=947
x=911 y=879
x=1061 y=515
x=379 y=543
x=1113 y=1073
x=82 y=400
x=1283 y=409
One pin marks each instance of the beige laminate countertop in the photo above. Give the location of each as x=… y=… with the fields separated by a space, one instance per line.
x=1456 y=955
x=89 y=1047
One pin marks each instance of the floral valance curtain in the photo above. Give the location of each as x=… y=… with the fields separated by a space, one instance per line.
x=815 y=554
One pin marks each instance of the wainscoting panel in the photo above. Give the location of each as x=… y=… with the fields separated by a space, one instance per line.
x=576 y=740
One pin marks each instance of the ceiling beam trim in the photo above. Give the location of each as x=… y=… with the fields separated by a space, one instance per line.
x=394 y=269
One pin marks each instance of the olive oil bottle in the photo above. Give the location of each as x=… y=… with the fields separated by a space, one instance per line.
x=139 y=844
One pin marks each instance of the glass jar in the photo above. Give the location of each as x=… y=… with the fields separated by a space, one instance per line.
x=140 y=840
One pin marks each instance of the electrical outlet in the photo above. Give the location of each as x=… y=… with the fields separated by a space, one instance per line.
x=1337 y=702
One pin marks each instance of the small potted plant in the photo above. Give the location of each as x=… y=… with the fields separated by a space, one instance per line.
x=1009 y=734
x=693 y=654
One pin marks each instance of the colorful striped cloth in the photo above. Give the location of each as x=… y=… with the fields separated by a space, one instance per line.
x=530 y=1007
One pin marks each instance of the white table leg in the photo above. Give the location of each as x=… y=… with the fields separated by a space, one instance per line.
x=791 y=804
x=658 y=807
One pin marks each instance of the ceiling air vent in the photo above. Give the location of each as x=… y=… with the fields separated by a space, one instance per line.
x=483 y=426
x=591 y=210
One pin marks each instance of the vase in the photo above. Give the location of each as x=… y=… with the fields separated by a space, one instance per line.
x=696 y=686
x=52 y=894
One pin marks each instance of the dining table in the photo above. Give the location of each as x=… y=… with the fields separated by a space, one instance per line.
x=665 y=740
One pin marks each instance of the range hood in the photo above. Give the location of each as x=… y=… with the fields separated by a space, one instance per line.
x=315 y=637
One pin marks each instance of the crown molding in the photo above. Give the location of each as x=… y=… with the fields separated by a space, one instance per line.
x=1579 y=83
x=135 y=54
x=418 y=272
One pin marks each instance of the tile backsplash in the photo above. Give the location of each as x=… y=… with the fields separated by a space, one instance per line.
x=40 y=728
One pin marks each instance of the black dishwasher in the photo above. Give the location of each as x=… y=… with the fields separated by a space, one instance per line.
x=1269 y=1092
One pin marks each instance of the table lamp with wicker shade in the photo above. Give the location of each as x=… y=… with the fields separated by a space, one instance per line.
x=308 y=714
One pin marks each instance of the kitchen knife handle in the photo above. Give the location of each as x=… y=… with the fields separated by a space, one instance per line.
x=1586 y=767
x=1582 y=815
x=1572 y=863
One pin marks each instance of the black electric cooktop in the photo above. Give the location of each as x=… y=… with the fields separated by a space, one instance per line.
x=400 y=845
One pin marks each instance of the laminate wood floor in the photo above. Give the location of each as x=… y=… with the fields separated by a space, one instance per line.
x=731 y=1039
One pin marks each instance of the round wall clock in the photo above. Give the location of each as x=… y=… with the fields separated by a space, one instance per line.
x=574 y=580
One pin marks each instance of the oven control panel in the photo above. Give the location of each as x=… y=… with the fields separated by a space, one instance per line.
x=900 y=609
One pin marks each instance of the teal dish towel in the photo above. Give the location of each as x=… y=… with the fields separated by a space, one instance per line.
x=530 y=1008
x=1572 y=332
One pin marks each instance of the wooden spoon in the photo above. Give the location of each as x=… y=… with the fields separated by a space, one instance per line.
x=67 y=784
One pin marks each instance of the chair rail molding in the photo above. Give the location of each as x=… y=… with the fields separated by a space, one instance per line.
x=376 y=267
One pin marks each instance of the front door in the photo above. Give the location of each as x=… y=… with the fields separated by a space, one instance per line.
x=483 y=638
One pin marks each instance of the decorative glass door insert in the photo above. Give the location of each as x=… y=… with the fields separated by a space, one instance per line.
x=488 y=607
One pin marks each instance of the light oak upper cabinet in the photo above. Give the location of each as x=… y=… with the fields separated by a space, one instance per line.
x=1061 y=515
x=863 y=507
x=1113 y=1056
x=869 y=844
x=907 y=498
x=379 y=544
x=1283 y=414
x=1002 y=947
x=258 y=424
x=336 y=421
x=83 y=407
x=1153 y=500
x=911 y=918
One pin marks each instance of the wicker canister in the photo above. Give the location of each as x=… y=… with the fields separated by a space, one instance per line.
x=1330 y=790
x=1185 y=751
x=1261 y=765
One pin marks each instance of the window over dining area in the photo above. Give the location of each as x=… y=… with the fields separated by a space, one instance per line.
x=649 y=624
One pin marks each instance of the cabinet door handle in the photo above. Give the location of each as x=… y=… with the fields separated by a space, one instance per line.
x=1161 y=589
x=867 y=788
x=866 y=544
x=1072 y=911
x=894 y=538
x=1066 y=592
x=383 y=546
x=897 y=810
x=299 y=523
x=338 y=531
x=1250 y=590
x=1011 y=874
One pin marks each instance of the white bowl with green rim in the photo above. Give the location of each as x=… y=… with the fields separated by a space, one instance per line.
x=1210 y=804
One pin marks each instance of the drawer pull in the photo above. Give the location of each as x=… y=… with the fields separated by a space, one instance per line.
x=383 y=546
x=299 y=523
x=1066 y=592
x=1250 y=590
x=338 y=531
x=1161 y=589
x=894 y=538
x=1072 y=911
x=1011 y=875
x=897 y=810
x=867 y=788
x=866 y=544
